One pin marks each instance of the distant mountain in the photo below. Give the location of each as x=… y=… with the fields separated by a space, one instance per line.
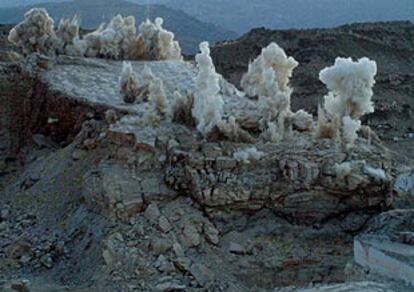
x=189 y=31
x=242 y=15
x=16 y=3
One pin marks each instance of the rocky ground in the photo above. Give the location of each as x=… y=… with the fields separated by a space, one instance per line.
x=91 y=203
x=390 y=44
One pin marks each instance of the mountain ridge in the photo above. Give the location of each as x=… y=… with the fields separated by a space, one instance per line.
x=242 y=15
x=282 y=14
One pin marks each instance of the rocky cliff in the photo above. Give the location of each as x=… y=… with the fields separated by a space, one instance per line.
x=90 y=198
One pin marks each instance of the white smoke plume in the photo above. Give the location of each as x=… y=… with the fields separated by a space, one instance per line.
x=302 y=121
x=208 y=104
x=35 y=34
x=350 y=128
x=350 y=97
x=255 y=82
x=93 y=42
x=350 y=84
x=116 y=40
x=248 y=155
x=181 y=108
x=68 y=38
x=157 y=97
x=268 y=78
x=130 y=87
x=158 y=42
x=230 y=130
x=158 y=103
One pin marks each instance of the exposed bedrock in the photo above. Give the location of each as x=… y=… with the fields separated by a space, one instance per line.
x=179 y=210
x=297 y=178
x=31 y=107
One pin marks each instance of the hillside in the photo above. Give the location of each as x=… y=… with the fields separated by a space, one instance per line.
x=189 y=31
x=242 y=15
x=89 y=203
x=100 y=194
x=16 y=3
x=391 y=45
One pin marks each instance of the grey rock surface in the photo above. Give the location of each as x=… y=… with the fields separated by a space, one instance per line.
x=385 y=247
x=97 y=81
x=353 y=286
x=126 y=207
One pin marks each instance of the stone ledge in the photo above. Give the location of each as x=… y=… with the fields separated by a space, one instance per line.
x=382 y=256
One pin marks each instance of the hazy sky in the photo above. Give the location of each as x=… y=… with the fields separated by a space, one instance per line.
x=242 y=15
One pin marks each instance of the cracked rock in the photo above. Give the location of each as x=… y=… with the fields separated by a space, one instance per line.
x=20 y=285
x=164 y=224
x=201 y=273
x=170 y=285
x=17 y=249
x=164 y=265
x=160 y=246
x=237 y=248
x=182 y=263
x=152 y=213
x=191 y=236
x=211 y=234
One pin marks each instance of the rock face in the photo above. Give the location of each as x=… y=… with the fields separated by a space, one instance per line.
x=116 y=203
x=116 y=192
x=297 y=182
x=354 y=286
